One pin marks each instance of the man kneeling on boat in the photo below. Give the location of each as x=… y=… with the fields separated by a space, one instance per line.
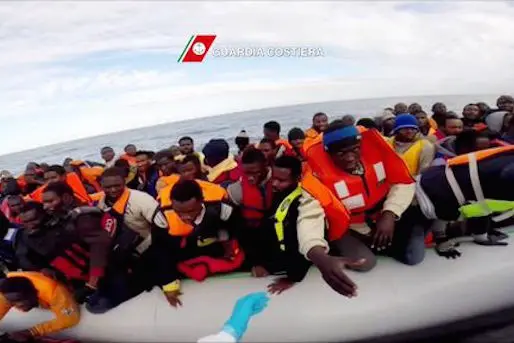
x=28 y=290
x=476 y=187
x=279 y=247
x=375 y=185
x=200 y=239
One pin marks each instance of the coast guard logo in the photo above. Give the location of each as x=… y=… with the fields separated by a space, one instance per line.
x=199 y=49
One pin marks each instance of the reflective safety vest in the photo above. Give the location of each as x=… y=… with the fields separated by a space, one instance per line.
x=363 y=195
x=281 y=214
x=337 y=217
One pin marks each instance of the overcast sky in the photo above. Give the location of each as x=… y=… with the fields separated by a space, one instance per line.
x=75 y=69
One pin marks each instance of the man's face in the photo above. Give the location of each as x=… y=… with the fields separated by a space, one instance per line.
x=440 y=109
x=186 y=146
x=281 y=179
x=166 y=165
x=268 y=151
x=406 y=135
x=320 y=123
x=297 y=143
x=52 y=203
x=15 y=204
x=188 y=171
x=255 y=172
x=270 y=134
x=107 y=155
x=471 y=112
x=51 y=177
x=388 y=124
x=400 y=108
x=130 y=150
x=23 y=303
x=30 y=176
x=347 y=159
x=143 y=163
x=422 y=119
x=113 y=186
x=189 y=210
x=453 y=127
x=31 y=220
x=505 y=105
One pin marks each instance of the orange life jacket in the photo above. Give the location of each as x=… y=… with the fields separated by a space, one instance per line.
x=73 y=180
x=311 y=133
x=211 y=192
x=433 y=123
x=363 y=195
x=90 y=175
x=22 y=183
x=338 y=217
x=288 y=148
x=255 y=204
x=130 y=159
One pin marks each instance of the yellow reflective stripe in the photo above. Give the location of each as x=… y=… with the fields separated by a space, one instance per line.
x=205 y=242
x=172 y=286
x=281 y=213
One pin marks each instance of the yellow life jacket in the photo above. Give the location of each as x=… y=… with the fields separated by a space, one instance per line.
x=411 y=156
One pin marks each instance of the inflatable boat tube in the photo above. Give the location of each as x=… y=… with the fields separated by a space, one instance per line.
x=393 y=298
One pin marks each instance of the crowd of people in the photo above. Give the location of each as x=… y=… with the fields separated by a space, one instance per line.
x=334 y=196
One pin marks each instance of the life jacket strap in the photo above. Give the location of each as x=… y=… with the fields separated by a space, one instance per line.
x=281 y=214
x=454 y=185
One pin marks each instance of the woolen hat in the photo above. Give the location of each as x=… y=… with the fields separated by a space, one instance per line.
x=405 y=121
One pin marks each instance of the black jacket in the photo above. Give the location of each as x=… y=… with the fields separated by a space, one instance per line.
x=496 y=176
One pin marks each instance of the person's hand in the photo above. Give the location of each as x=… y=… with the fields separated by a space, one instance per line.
x=333 y=274
x=259 y=271
x=383 y=235
x=280 y=285
x=21 y=336
x=447 y=249
x=174 y=298
x=245 y=308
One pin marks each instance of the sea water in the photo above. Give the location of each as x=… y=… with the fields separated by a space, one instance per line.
x=223 y=126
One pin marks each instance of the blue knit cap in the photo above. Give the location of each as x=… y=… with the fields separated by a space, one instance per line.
x=405 y=121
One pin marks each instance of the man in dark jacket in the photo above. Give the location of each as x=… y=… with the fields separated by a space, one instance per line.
x=281 y=253
x=65 y=240
x=199 y=242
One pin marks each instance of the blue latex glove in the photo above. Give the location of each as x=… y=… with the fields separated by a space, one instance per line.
x=245 y=308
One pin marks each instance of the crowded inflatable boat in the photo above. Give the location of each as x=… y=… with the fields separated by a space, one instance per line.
x=342 y=223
